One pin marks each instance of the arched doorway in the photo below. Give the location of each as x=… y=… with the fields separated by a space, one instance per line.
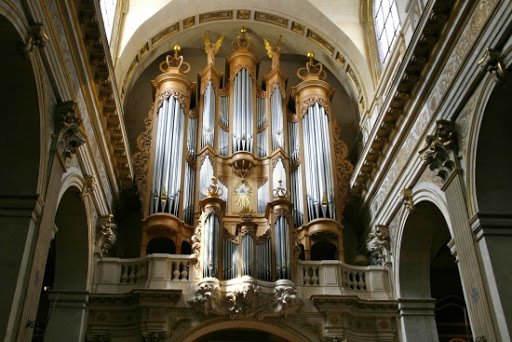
x=241 y=335
x=430 y=293
x=19 y=175
x=66 y=314
x=492 y=223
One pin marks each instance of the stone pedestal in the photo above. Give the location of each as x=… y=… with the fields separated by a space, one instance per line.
x=67 y=316
x=418 y=320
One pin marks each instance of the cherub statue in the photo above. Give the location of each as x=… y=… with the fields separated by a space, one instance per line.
x=378 y=244
x=211 y=48
x=273 y=53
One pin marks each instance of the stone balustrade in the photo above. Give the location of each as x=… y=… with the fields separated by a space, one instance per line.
x=336 y=278
x=154 y=271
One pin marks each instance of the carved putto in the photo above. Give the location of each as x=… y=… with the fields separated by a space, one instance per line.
x=378 y=245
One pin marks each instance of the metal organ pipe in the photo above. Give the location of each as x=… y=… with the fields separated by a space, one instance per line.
x=224 y=120
x=208 y=135
x=166 y=182
x=205 y=175
x=276 y=108
x=261 y=122
x=296 y=196
x=319 y=175
x=211 y=246
x=243 y=112
x=282 y=243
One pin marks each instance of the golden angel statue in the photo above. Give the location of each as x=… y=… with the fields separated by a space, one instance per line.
x=273 y=53
x=211 y=48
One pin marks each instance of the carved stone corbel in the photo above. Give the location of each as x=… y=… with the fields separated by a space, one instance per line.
x=69 y=133
x=88 y=186
x=440 y=154
x=37 y=37
x=105 y=234
x=491 y=62
x=407 y=198
x=378 y=244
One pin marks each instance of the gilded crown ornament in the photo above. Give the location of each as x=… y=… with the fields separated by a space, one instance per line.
x=213 y=189
x=312 y=69
x=242 y=41
x=173 y=64
x=280 y=191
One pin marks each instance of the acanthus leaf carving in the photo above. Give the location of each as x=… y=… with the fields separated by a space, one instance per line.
x=142 y=157
x=344 y=169
x=440 y=154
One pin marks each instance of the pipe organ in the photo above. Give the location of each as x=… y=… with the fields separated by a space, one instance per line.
x=241 y=178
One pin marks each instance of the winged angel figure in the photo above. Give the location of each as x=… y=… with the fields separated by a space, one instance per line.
x=211 y=48
x=273 y=53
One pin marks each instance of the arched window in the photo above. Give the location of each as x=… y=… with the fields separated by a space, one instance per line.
x=387 y=25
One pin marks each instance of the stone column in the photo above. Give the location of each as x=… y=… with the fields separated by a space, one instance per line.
x=493 y=234
x=441 y=156
x=418 y=320
x=19 y=222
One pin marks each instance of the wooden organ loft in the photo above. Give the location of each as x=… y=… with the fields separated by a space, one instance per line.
x=240 y=181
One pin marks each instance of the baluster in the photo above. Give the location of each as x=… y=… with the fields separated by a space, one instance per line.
x=122 y=280
x=184 y=272
x=175 y=271
x=362 y=283
x=315 y=279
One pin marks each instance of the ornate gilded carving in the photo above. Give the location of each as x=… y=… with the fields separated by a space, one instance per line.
x=105 y=234
x=182 y=98
x=310 y=101
x=218 y=15
x=260 y=181
x=69 y=134
x=273 y=53
x=297 y=28
x=263 y=237
x=211 y=49
x=271 y=18
x=89 y=183
x=344 y=169
x=165 y=33
x=491 y=62
x=281 y=212
x=378 y=245
x=440 y=154
x=230 y=237
x=212 y=189
x=280 y=191
x=243 y=14
x=320 y=41
x=142 y=157
x=246 y=301
x=242 y=41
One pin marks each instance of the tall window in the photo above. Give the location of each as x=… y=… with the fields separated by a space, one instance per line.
x=108 y=12
x=387 y=24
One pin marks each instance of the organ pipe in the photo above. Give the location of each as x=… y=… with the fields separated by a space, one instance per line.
x=276 y=108
x=224 y=127
x=243 y=129
x=208 y=134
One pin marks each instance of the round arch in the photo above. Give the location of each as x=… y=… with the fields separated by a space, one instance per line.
x=286 y=333
x=339 y=44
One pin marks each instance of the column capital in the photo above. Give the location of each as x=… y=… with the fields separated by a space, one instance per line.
x=491 y=63
x=69 y=133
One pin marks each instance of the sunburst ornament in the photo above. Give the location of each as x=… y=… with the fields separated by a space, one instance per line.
x=242 y=195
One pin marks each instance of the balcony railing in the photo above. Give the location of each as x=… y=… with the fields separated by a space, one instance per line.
x=172 y=271
x=154 y=271
x=336 y=278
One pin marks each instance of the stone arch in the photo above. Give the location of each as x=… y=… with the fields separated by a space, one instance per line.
x=301 y=12
x=22 y=156
x=287 y=333
x=72 y=256
x=489 y=188
x=422 y=251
